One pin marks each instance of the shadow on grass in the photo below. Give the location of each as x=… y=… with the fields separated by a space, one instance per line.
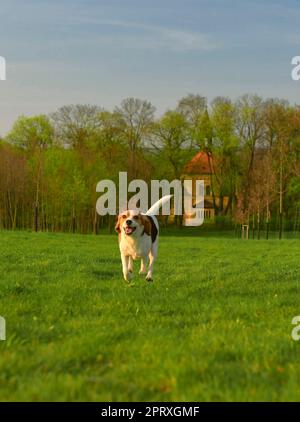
x=103 y=275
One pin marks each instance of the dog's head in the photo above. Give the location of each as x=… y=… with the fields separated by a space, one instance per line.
x=133 y=223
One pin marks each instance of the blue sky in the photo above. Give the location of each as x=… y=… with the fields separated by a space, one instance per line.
x=95 y=51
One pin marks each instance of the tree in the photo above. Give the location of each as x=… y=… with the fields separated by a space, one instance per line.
x=34 y=135
x=13 y=186
x=75 y=124
x=136 y=120
x=224 y=149
x=31 y=133
x=250 y=130
x=192 y=108
x=263 y=190
x=52 y=164
x=171 y=139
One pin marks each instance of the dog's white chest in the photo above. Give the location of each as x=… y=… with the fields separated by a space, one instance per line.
x=136 y=249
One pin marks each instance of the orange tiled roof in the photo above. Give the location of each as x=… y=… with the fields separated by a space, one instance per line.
x=199 y=164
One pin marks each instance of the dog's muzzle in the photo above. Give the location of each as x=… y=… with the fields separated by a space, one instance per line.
x=128 y=229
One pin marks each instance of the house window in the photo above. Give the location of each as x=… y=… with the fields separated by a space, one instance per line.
x=207 y=190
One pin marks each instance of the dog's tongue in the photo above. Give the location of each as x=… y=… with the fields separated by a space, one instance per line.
x=128 y=230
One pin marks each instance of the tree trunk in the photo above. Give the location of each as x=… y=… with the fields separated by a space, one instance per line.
x=280 y=224
x=280 y=192
x=258 y=224
x=36 y=217
x=95 y=223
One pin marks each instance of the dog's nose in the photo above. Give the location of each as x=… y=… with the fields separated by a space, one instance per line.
x=128 y=222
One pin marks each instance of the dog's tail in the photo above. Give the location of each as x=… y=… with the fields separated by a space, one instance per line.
x=155 y=207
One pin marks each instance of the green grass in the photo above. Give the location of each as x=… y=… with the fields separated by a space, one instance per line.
x=214 y=325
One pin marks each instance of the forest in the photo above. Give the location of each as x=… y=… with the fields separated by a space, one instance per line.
x=50 y=164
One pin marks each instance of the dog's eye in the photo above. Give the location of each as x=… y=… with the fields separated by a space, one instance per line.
x=124 y=216
x=136 y=217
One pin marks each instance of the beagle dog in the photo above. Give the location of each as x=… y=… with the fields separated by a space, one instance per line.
x=138 y=239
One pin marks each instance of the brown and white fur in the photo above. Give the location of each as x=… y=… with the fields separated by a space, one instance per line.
x=138 y=239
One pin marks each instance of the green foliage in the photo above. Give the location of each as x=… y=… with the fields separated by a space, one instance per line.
x=31 y=132
x=172 y=141
x=251 y=146
x=76 y=124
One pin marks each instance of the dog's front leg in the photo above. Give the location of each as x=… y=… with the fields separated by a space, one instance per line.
x=143 y=269
x=130 y=264
x=125 y=264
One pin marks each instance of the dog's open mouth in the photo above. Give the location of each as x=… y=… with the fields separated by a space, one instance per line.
x=129 y=230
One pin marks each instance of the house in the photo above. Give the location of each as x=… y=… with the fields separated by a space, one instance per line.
x=200 y=167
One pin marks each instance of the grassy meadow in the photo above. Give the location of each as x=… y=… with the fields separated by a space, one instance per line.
x=214 y=326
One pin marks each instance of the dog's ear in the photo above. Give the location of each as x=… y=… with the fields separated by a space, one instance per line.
x=146 y=223
x=117 y=226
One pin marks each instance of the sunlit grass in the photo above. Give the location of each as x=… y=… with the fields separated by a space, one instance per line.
x=214 y=325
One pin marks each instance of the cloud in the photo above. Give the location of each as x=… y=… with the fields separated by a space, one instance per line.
x=184 y=40
x=146 y=36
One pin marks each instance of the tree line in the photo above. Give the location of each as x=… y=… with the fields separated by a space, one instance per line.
x=50 y=164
